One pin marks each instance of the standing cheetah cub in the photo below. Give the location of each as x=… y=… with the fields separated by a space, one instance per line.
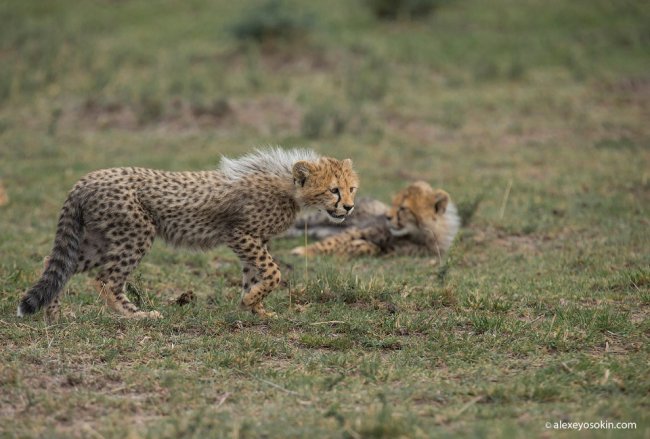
x=111 y=217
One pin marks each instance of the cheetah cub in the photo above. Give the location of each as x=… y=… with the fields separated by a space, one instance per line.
x=422 y=221
x=111 y=217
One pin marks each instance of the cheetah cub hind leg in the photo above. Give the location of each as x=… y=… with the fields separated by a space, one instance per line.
x=118 y=301
x=120 y=259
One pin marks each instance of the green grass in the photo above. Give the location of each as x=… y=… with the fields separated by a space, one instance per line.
x=533 y=116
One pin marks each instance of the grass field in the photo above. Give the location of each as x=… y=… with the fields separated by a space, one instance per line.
x=532 y=114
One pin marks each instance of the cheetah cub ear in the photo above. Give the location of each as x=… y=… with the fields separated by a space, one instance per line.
x=302 y=170
x=439 y=200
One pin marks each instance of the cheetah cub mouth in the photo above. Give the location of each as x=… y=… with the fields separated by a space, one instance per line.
x=403 y=231
x=335 y=217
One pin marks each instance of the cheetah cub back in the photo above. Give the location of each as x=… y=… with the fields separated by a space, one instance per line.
x=110 y=219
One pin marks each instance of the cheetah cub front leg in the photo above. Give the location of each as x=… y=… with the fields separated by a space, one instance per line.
x=260 y=273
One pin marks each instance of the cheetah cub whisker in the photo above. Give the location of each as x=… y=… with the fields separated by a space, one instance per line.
x=111 y=217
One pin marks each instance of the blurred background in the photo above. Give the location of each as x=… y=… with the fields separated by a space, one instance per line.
x=547 y=97
x=458 y=92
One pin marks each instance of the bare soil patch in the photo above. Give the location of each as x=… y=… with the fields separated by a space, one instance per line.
x=265 y=115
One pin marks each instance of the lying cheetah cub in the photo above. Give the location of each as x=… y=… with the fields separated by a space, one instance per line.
x=112 y=216
x=421 y=222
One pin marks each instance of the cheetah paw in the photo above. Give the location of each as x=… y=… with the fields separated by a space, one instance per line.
x=299 y=251
x=147 y=315
x=51 y=317
x=267 y=314
x=258 y=310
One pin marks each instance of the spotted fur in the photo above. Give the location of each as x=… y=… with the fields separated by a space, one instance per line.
x=421 y=222
x=111 y=217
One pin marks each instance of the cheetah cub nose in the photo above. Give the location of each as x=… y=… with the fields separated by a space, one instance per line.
x=348 y=207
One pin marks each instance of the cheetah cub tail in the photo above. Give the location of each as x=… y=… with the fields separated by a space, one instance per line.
x=62 y=262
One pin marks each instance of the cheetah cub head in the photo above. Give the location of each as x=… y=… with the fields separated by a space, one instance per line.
x=416 y=208
x=327 y=184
